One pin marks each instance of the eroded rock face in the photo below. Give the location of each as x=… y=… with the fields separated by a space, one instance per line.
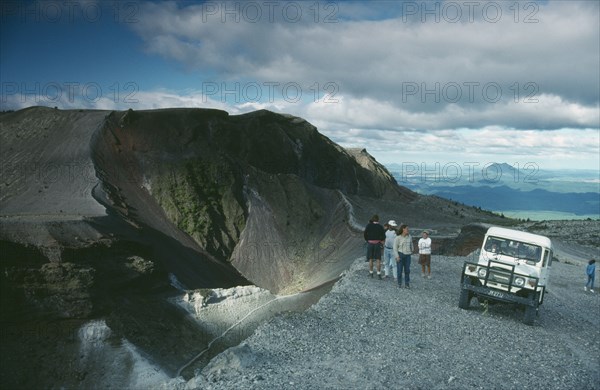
x=470 y=239
x=213 y=195
x=207 y=195
x=78 y=286
x=101 y=212
x=61 y=288
x=210 y=175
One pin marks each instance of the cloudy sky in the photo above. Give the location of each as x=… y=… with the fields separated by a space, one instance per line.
x=413 y=82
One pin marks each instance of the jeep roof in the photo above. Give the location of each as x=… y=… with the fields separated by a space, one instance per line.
x=520 y=236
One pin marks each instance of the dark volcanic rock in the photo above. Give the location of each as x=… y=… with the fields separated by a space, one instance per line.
x=212 y=195
x=105 y=214
x=470 y=239
x=211 y=174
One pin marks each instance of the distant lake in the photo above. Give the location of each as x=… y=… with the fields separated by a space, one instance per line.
x=534 y=194
x=536 y=215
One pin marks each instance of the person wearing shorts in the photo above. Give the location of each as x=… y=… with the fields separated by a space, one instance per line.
x=425 y=254
x=374 y=235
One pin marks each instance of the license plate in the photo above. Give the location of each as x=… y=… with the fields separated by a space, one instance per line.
x=496 y=294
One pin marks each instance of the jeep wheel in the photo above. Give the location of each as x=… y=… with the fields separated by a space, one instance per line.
x=531 y=311
x=464 y=301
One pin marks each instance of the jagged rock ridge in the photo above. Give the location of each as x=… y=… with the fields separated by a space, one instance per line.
x=104 y=212
x=213 y=175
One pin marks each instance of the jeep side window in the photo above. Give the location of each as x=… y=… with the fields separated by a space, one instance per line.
x=547 y=258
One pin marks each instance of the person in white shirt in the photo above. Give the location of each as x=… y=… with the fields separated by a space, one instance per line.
x=425 y=254
x=389 y=260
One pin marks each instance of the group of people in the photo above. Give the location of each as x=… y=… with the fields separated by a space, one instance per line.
x=397 y=245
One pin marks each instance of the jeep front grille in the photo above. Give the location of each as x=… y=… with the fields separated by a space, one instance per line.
x=500 y=277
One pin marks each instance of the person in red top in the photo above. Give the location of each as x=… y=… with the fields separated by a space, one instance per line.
x=374 y=235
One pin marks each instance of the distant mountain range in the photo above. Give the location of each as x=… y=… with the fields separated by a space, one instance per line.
x=506 y=198
x=503 y=187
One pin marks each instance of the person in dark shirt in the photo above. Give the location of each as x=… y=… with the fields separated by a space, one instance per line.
x=374 y=235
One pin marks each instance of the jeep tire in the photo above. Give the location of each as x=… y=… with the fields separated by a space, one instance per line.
x=464 y=301
x=531 y=311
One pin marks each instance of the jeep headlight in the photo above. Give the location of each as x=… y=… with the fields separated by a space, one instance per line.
x=519 y=282
x=482 y=272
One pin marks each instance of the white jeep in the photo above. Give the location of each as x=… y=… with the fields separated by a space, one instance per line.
x=513 y=266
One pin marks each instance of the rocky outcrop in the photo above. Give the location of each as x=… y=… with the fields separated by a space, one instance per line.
x=377 y=178
x=106 y=214
x=81 y=284
x=469 y=239
x=261 y=190
x=212 y=195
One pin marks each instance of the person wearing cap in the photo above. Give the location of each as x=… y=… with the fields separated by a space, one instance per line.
x=389 y=261
x=425 y=254
x=374 y=235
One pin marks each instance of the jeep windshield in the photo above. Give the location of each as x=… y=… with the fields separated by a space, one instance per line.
x=517 y=249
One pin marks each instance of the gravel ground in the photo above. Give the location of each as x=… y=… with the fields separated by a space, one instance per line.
x=369 y=334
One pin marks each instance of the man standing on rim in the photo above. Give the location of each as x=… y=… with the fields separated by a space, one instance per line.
x=374 y=236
